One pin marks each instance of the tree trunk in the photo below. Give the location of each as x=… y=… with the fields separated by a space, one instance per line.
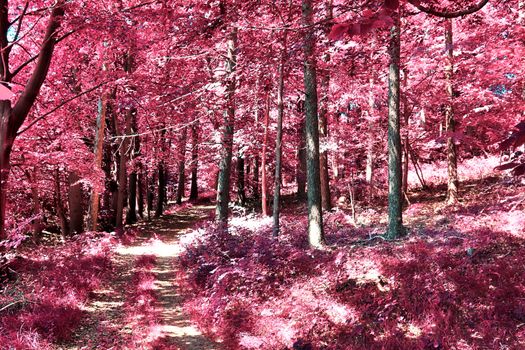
x=223 y=186
x=369 y=170
x=241 y=192
x=264 y=185
x=450 y=123
x=256 y=178
x=99 y=143
x=123 y=171
x=76 y=212
x=315 y=215
x=395 y=204
x=61 y=213
x=131 y=216
x=182 y=167
x=161 y=190
x=300 y=172
x=140 y=192
x=323 y=126
x=12 y=118
x=37 y=224
x=406 y=117
x=194 y=190
x=279 y=138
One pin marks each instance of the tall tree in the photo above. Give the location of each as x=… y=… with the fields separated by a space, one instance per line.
x=315 y=215
x=182 y=166
x=450 y=122
x=223 y=185
x=395 y=204
x=99 y=143
x=279 y=137
x=264 y=177
x=194 y=188
x=323 y=123
x=12 y=117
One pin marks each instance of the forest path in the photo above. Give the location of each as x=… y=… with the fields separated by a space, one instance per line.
x=118 y=315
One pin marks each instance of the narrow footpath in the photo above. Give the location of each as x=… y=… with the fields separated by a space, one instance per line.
x=142 y=306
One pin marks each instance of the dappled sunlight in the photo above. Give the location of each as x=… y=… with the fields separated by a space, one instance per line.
x=153 y=247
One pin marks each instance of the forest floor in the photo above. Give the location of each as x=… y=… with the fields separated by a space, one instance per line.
x=142 y=306
x=100 y=291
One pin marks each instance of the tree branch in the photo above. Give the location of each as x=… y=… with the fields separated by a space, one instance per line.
x=62 y=104
x=454 y=14
x=28 y=98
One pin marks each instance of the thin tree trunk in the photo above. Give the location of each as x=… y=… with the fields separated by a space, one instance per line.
x=264 y=185
x=406 y=117
x=323 y=126
x=161 y=190
x=315 y=215
x=223 y=186
x=395 y=204
x=99 y=148
x=182 y=167
x=241 y=192
x=279 y=138
x=123 y=172
x=38 y=226
x=194 y=190
x=301 y=163
x=450 y=123
x=140 y=192
x=131 y=216
x=256 y=178
x=369 y=171
x=76 y=212
x=61 y=213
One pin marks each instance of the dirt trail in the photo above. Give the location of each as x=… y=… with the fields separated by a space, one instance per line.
x=173 y=329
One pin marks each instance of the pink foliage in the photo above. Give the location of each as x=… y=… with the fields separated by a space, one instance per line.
x=453 y=291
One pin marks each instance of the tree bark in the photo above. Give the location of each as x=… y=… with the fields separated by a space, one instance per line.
x=256 y=178
x=241 y=191
x=12 y=118
x=395 y=204
x=38 y=225
x=61 y=212
x=123 y=171
x=99 y=143
x=161 y=190
x=194 y=189
x=223 y=186
x=76 y=211
x=279 y=138
x=264 y=185
x=450 y=122
x=182 y=167
x=323 y=126
x=301 y=163
x=140 y=193
x=315 y=215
